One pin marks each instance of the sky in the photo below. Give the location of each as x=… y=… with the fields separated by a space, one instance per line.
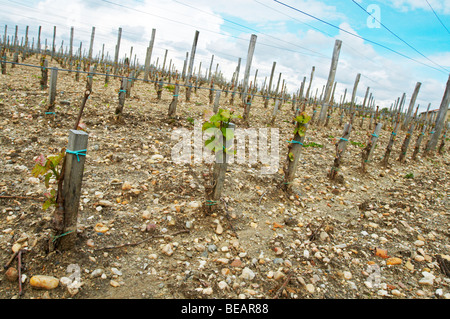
x=392 y=44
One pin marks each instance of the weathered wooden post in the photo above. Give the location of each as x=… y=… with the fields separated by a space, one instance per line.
x=52 y=91
x=173 y=104
x=44 y=73
x=116 y=56
x=418 y=142
x=367 y=152
x=391 y=142
x=275 y=112
x=411 y=106
x=406 y=141
x=216 y=101
x=352 y=103
x=294 y=149
x=73 y=177
x=340 y=149
x=91 y=46
x=363 y=108
x=440 y=120
x=148 y=55
x=214 y=191
x=251 y=50
x=71 y=49
x=330 y=81
x=122 y=95
x=3 y=57
x=53 y=45
x=310 y=82
x=444 y=137
x=190 y=67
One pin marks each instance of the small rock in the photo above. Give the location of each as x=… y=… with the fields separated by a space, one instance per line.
x=116 y=271
x=44 y=282
x=347 y=275
x=247 y=274
x=208 y=291
x=222 y=285
x=12 y=274
x=219 y=229
x=278 y=275
x=428 y=279
x=114 y=283
x=97 y=273
x=126 y=186
x=168 y=249
x=409 y=266
x=310 y=288
x=236 y=263
x=105 y=203
x=419 y=243
x=393 y=261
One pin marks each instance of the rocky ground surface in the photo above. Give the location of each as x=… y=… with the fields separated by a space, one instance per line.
x=142 y=232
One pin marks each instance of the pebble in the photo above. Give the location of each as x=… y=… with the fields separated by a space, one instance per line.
x=146 y=214
x=126 y=186
x=12 y=274
x=116 y=271
x=222 y=285
x=97 y=273
x=347 y=275
x=247 y=274
x=208 y=291
x=219 y=229
x=428 y=279
x=310 y=288
x=419 y=243
x=44 y=282
x=168 y=249
x=114 y=283
x=278 y=275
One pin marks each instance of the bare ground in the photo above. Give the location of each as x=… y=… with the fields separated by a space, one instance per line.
x=318 y=241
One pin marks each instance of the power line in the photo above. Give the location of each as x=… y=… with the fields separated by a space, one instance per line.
x=437 y=17
x=251 y=29
x=356 y=35
x=327 y=34
x=395 y=35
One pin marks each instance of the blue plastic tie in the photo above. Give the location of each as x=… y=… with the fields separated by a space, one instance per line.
x=432 y=132
x=374 y=135
x=77 y=153
x=123 y=91
x=393 y=133
x=49 y=112
x=295 y=142
x=175 y=95
x=344 y=139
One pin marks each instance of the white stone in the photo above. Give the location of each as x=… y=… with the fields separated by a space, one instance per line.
x=168 y=249
x=247 y=274
x=222 y=285
x=310 y=288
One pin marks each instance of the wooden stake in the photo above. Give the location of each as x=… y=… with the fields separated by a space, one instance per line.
x=330 y=82
x=251 y=50
x=340 y=149
x=293 y=155
x=440 y=120
x=367 y=153
x=52 y=90
x=73 y=177
x=411 y=105
x=173 y=104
